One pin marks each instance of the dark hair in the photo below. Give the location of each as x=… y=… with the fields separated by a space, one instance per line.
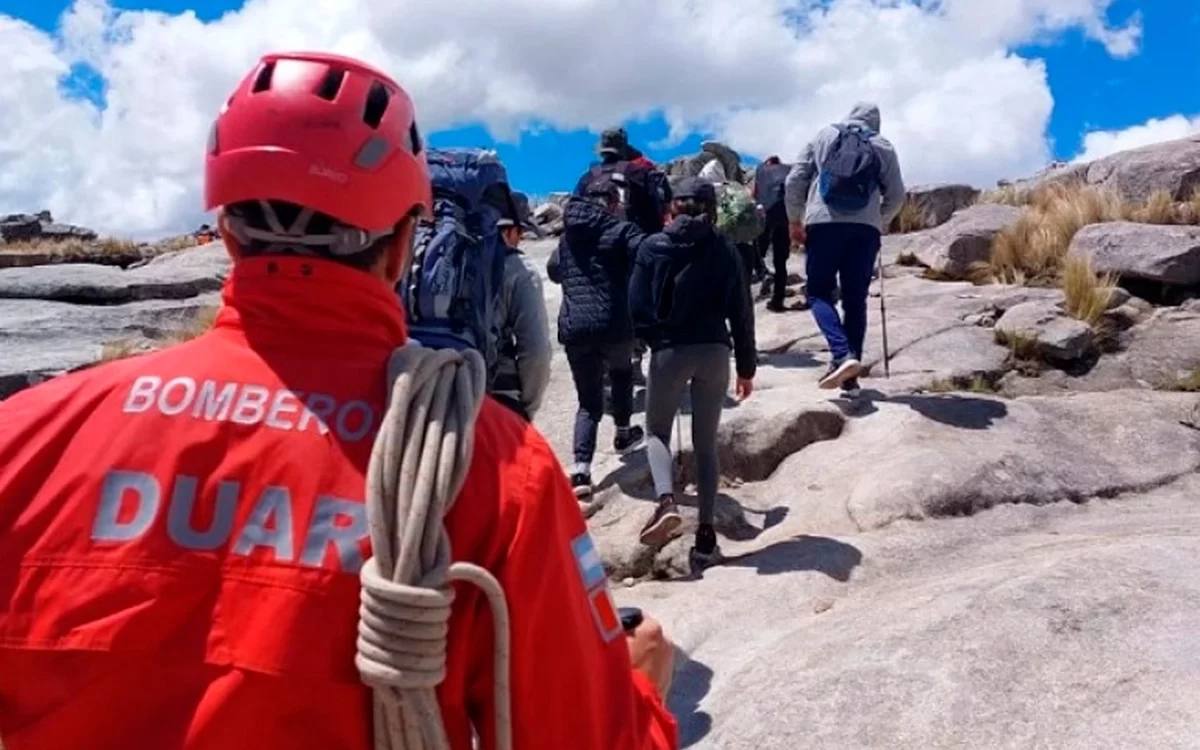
x=252 y=213
x=695 y=207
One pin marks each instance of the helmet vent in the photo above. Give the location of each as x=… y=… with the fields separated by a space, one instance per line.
x=377 y=103
x=414 y=139
x=262 y=81
x=331 y=84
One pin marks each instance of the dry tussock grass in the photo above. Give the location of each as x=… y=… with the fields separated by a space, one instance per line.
x=74 y=248
x=1033 y=251
x=1189 y=383
x=1086 y=293
x=199 y=324
x=910 y=219
x=976 y=384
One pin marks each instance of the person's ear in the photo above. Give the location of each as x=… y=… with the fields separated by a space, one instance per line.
x=231 y=243
x=399 y=252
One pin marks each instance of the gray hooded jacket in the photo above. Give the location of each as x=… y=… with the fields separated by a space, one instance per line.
x=523 y=370
x=803 y=198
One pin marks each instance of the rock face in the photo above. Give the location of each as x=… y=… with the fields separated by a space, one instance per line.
x=1165 y=254
x=39 y=226
x=57 y=318
x=549 y=218
x=176 y=276
x=1056 y=336
x=953 y=248
x=1029 y=627
x=938 y=203
x=1135 y=175
x=690 y=166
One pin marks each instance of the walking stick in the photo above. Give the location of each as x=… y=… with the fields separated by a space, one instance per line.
x=679 y=448
x=887 y=368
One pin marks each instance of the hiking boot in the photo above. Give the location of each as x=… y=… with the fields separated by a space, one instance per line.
x=840 y=370
x=776 y=306
x=582 y=485
x=629 y=440
x=850 y=388
x=662 y=524
x=704 y=551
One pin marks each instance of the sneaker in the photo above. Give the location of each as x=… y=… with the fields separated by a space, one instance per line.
x=840 y=370
x=705 y=549
x=850 y=388
x=662 y=524
x=582 y=485
x=776 y=306
x=630 y=441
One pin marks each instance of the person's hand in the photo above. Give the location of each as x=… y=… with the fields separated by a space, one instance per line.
x=745 y=387
x=652 y=653
x=796 y=232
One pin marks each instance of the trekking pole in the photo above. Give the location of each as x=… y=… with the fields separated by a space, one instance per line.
x=887 y=368
x=679 y=447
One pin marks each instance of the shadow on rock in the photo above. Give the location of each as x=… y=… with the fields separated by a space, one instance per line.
x=834 y=558
x=691 y=684
x=789 y=359
x=964 y=412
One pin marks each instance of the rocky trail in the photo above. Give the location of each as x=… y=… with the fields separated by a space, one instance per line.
x=994 y=547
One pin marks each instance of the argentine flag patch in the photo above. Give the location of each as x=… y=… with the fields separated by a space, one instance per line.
x=595 y=580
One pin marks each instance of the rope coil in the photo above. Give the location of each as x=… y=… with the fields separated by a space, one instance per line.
x=418 y=465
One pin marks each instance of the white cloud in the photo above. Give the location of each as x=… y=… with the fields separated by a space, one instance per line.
x=956 y=101
x=1100 y=143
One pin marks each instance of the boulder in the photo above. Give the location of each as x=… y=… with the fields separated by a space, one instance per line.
x=938 y=203
x=690 y=166
x=40 y=339
x=1163 y=254
x=40 y=226
x=1156 y=353
x=731 y=161
x=1056 y=336
x=558 y=199
x=549 y=218
x=1173 y=166
x=1029 y=627
x=953 y=248
x=178 y=275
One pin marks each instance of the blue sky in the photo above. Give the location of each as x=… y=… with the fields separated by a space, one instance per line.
x=1092 y=89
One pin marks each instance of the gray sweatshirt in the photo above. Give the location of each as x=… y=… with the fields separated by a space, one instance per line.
x=803 y=197
x=523 y=370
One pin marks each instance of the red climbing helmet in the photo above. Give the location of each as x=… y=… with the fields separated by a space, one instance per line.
x=325 y=132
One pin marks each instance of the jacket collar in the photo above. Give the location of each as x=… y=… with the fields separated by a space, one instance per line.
x=312 y=301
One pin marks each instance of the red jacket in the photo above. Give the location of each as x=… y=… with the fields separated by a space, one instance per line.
x=180 y=536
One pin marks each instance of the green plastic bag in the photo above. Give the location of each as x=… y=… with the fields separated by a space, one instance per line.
x=737 y=214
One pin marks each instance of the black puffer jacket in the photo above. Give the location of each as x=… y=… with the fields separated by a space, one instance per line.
x=592 y=262
x=689 y=287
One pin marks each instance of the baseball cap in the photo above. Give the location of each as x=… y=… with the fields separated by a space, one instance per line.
x=614 y=141
x=696 y=188
x=524 y=215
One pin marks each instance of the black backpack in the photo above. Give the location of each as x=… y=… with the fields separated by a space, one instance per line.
x=850 y=172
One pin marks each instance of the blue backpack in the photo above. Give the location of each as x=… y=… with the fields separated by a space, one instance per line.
x=850 y=171
x=450 y=292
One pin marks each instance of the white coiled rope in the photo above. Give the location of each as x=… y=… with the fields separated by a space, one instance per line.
x=418 y=465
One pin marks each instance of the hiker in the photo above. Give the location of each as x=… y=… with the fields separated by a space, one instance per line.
x=182 y=532
x=204 y=235
x=690 y=301
x=845 y=187
x=523 y=369
x=645 y=197
x=592 y=263
x=770 y=179
x=737 y=215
